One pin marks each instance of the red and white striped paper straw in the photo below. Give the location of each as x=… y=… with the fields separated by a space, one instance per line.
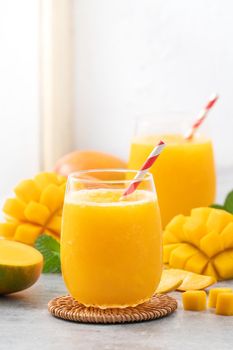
x=144 y=169
x=201 y=117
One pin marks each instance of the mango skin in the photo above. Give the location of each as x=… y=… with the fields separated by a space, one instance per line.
x=87 y=160
x=17 y=278
x=20 y=266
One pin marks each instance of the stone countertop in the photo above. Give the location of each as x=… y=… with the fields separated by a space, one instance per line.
x=25 y=324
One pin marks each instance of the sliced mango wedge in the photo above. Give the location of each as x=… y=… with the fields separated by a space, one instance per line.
x=168 y=282
x=190 y=280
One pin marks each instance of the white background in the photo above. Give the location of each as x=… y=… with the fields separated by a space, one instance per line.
x=19 y=101
x=136 y=57
x=132 y=57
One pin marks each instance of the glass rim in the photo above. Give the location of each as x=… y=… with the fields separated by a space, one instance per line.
x=75 y=176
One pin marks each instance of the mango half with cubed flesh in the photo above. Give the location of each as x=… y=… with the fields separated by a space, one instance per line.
x=35 y=209
x=201 y=243
x=20 y=266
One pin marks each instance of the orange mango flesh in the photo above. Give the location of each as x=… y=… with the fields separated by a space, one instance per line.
x=214 y=293
x=190 y=280
x=201 y=243
x=224 y=305
x=20 y=266
x=36 y=209
x=194 y=300
x=168 y=282
x=184 y=173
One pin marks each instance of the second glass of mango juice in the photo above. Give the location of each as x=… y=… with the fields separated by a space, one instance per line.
x=110 y=248
x=184 y=174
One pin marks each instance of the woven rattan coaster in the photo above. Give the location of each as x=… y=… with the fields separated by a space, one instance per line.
x=67 y=308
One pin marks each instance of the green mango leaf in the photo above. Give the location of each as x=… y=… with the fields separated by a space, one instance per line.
x=50 y=249
x=217 y=206
x=228 y=204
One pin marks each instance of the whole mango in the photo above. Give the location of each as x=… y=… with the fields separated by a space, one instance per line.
x=87 y=160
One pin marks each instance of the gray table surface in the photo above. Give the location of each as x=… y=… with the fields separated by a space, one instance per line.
x=25 y=324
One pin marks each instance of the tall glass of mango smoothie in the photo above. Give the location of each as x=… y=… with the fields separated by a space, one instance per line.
x=184 y=174
x=110 y=247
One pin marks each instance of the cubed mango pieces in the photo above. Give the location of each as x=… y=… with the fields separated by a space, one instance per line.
x=194 y=300
x=214 y=293
x=224 y=305
x=180 y=255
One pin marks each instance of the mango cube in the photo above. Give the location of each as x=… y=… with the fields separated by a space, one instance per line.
x=218 y=219
x=211 y=244
x=214 y=293
x=227 y=236
x=194 y=300
x=175 y=226
x=224 y=305
x=180 y=255
x=194 y=230
x=196 y=263
x=167 y=249
x=223 y=263
x=27 y=191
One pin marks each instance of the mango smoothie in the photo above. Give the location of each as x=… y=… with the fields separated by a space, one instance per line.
x=111 y=249
x=184 y=174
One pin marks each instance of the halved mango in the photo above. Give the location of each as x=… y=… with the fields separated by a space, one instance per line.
x=210 y=232
x=36 y=208
x=20 y=266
